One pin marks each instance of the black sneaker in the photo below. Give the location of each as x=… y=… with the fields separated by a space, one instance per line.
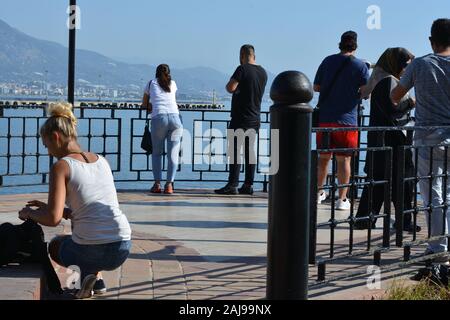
x=245 y=189
x=227 y=190
x=99 y=287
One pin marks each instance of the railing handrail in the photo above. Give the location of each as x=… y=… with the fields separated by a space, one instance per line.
x=377 y=129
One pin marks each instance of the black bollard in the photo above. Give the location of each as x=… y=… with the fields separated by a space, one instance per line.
x=289 y=192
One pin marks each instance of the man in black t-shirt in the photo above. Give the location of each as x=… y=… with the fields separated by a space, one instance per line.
x=247 y=86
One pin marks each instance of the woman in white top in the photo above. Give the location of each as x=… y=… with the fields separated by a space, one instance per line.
x=101 y=234
x=166 y=125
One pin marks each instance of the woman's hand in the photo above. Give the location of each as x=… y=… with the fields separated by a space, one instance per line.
x=67 y=214
x=25 y=213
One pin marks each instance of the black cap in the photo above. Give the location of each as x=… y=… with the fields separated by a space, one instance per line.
x=349 y=41
x=349 y=36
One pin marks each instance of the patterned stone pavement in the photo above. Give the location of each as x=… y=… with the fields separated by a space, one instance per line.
x=198 y=246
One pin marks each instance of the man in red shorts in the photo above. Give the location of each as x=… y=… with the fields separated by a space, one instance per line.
x=339 y=80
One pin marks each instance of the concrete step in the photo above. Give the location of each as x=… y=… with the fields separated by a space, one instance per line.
x=21 y=282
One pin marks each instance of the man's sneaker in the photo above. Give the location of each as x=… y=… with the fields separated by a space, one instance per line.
x=343 y=205
x=86 y=287
x=227 y=190
x=99 y=287
x=245 y=189
x=321 y=197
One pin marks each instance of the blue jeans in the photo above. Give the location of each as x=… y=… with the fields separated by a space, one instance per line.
x=438 y=189
x=166 y=127
x=93 y=258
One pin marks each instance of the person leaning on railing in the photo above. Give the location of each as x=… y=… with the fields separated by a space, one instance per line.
x=247 y=85
x=160 y=99
x=383 y=113
x=101 y=234
x=339 y=79
x=430 y=77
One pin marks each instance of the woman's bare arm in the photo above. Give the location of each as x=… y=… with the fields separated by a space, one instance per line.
x=51 y=214
x=146 y=102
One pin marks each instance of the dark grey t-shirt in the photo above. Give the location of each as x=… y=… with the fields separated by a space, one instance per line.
x=430 y=77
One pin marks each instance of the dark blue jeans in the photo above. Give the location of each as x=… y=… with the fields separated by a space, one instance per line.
x=91 y=259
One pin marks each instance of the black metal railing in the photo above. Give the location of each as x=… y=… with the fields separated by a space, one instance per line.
x=393 y=177
x=115 y=131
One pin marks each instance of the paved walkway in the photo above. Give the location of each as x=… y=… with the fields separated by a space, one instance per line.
x=202 y=246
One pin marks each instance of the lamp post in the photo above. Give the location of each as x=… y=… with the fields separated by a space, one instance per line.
x=72 y=48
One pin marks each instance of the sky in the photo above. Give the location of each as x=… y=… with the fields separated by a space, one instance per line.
x=287 y=34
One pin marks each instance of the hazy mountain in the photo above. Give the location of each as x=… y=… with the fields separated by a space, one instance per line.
x=24 y=58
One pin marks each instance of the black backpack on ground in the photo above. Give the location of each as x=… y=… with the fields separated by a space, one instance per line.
x=25 y=244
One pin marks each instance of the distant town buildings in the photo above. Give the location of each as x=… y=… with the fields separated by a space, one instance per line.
x=87 y=91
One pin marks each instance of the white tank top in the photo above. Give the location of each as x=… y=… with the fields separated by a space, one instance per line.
x=92 y=197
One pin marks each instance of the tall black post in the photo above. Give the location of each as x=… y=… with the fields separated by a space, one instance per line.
x=72 y=47
x=289 y=192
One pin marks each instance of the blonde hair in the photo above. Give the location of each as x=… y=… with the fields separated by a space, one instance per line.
x=61 y=119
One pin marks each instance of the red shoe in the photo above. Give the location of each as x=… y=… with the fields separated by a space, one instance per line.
x=168 y=189
x=156 y=188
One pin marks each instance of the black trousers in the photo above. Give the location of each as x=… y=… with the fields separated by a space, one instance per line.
x=393 y=139
x=235 y=144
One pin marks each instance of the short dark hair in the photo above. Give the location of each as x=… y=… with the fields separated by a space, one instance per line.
x=349 y=41
x=248 y=50
x=440 y=32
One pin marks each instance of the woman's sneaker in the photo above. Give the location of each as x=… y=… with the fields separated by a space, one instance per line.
x=321 y=197
x=87 y=286
x=343 y=205
x=99 y=287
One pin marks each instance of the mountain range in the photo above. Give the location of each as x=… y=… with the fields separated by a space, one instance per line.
x=24 y=58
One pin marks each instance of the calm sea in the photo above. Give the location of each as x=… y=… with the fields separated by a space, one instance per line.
x=128 y=166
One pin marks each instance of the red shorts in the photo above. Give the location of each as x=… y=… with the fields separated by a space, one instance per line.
x=337 y=140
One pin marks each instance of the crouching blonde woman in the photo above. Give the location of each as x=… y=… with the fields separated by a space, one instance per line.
x=101 y=234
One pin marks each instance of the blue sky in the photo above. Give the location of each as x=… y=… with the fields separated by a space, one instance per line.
x=287 y=34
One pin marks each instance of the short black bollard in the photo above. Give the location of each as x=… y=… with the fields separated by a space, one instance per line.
x=321 y=271
x=406 y=253
x=377 y=258
x=289 y=189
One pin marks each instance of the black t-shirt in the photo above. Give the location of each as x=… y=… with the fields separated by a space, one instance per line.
x=246 y=102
